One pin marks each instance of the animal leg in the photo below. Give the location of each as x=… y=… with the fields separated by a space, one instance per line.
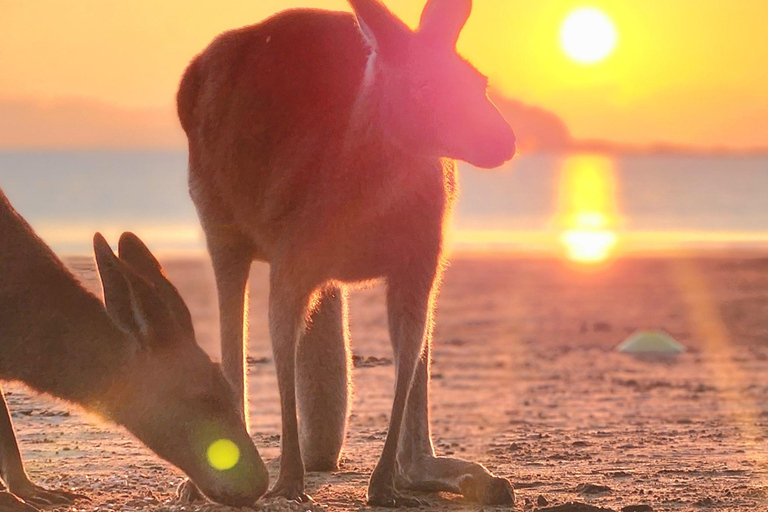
x=421 y=470
x=231 y=256
x=15 y=477
x=287 y=310
x=409 y=302
x=324 y=382
x=11 y=503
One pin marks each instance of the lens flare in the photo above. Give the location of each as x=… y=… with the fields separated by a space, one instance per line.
x=223 y=454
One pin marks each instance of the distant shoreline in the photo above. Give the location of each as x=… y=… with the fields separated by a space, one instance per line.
x=661 y=149
x=580 y=148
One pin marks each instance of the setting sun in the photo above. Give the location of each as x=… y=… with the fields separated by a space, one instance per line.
x=588 y=35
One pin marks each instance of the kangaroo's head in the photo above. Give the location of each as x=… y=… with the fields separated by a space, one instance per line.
x=430 y=99
x=169 y=393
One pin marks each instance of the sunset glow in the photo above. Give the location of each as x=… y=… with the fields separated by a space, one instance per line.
x=89 y=73
x=588 y=36
x=588 y=215
x=589 y=246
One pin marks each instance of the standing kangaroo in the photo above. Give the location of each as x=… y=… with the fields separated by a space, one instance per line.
x=134 y=362
x=322 y=143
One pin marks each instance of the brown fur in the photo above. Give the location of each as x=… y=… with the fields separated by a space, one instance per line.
x=135 y=362
x=321 y=143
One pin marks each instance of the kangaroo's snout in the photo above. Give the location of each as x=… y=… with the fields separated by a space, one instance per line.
x=500 y=148
x=239 y=486
x=483 y=137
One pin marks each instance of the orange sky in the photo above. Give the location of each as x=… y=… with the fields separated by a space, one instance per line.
x=685 y=71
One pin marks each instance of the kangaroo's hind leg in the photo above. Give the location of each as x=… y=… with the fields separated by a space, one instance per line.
x=15 y=477
x=410 y=299
x=324 y=382
x=421 y=470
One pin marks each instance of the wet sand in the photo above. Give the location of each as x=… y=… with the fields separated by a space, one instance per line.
x=526 y=381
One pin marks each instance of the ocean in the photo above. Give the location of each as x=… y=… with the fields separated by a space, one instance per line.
x=652 y=203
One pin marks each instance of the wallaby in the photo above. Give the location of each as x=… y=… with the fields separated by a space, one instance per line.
x=134 y=362
x=322 y=143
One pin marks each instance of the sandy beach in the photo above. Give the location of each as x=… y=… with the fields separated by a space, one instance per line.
x=525 y=380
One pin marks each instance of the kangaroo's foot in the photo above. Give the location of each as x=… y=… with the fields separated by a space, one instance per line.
x=390 y=498
x=187 y=492
x=290 y=489
x=38 y=496
x=446 y=474
x=11 y=503
x=382 y=493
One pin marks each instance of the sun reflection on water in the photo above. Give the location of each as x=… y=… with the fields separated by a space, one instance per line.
x=588 y=215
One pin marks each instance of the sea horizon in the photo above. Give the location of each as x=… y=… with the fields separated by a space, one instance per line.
x=659 y=203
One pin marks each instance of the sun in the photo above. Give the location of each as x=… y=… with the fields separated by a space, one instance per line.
x=588 y=35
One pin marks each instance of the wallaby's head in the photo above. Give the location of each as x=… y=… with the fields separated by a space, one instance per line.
x=169 y=393
x=432 y=100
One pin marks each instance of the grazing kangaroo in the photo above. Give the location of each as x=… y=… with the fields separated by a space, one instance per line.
x=134 y=362
x=322 y=143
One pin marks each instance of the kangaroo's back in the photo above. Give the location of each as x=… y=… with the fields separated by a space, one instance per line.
x=24 y=256
x=263 y=105
x=38 y=297
x=291 y=69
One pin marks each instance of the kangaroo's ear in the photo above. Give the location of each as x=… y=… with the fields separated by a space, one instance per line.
x=382 y=30
x=443 y=20
x=117 y=292
x=138 y=256
x=132 y=302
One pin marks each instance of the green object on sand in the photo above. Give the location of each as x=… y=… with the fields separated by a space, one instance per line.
x=650 y=342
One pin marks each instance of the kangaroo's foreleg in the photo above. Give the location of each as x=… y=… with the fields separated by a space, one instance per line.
x=11 y=466
x=421 y=470
x=15 y=477
x=231 y=256
x=324 y=382
x=11 y=503
x=409 y=304
x=288 y=305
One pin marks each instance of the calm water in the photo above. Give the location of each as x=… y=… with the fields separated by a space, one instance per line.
x=67 y=196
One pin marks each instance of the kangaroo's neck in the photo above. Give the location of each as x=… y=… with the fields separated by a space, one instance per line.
x=74 y=353
x=55 y=336
x=367 y=132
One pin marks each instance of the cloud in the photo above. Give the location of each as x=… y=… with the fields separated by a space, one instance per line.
x=86 y=124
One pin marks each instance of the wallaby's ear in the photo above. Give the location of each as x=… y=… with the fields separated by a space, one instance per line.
x=132 y=302
x=382 y=30
x=117 y=292
x=442 y=21
x=136 y=254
